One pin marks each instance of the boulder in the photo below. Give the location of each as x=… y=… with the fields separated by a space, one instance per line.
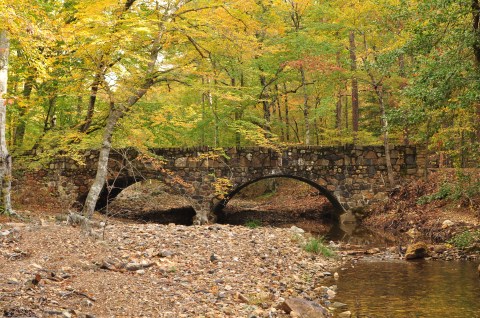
x=478 y=270
x=416 y=251
x=304 y=308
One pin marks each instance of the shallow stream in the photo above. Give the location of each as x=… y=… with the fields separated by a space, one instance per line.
x=397 y=288
x=411 y=289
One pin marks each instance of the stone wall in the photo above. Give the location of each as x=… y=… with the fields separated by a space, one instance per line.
x=356 y=176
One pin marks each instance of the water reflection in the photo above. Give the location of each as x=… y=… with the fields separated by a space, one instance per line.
x=411 y=289
x=358 y=235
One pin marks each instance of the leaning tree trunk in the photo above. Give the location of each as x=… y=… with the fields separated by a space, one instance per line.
x=5 y=159
x=102 y=167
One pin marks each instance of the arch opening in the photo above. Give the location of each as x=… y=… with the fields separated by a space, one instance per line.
x=144 y=200
x=320 y=206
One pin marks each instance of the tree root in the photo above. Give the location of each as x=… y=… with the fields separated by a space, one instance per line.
x=85 y=223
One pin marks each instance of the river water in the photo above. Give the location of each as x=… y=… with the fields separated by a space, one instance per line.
x=411 y=289
x=397 y=288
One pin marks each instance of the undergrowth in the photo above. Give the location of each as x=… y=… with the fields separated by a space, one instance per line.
x=465 y=239
x=253 y=224
x=463 y=187
x=318 y=246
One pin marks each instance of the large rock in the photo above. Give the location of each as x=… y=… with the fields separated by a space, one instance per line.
x=478 y=270
x=416 y=251
x=304 y=308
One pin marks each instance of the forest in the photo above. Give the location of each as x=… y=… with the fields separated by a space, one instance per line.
x=180 y=73
x=83 y=80
x=226 y=73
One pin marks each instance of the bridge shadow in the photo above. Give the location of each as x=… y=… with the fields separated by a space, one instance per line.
x=331 y=212
x=148 y=202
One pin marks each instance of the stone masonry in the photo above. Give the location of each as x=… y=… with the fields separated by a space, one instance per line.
x=351 y=177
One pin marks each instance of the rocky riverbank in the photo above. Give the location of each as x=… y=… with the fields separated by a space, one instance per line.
x=50 y=269
x=443 y=211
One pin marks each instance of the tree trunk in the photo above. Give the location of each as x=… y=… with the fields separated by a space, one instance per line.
x=20 y=130
x=338 y=118
x=102 y=167
x=353 y=68
x=5 y=159
x=265 y=100
x=306 y=107
x=338 y=121
x=91 y=103
x=287 y=118
x=280 y=116
x=476 y=51
x=386 y=143
x=47 y=124
x=204 y=114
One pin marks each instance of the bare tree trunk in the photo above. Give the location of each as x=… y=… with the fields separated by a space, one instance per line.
x=353 y=68
x=265 y=100
x=280 y=117
x=20 y=130
x=101 y=176
x=204 y=102
x=306 y=107
x=91 y=103
x=476 y=51
x=47 y=124
x=5 y=159
x=386 y=143
x=338 y=122
x=287 y=118
x=237 y=115
x=338 y=119
x=315 y=123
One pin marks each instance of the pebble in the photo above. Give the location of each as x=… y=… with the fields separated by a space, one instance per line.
x=331 y=294
x=345 y=314
x=338 y=304
x=447 y=224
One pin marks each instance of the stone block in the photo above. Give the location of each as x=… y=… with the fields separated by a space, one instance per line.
x=181 y=162
x=410 y=159
x=370 y=155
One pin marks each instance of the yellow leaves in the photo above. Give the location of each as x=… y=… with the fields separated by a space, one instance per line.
x=175 y=116
x=222 y=187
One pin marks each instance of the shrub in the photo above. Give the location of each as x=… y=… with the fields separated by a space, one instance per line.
x=465 y=239
x=464 y=186
x=317 y=246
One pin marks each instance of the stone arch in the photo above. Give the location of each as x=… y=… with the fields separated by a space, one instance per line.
x=183 y=214
x=117 y=185
x=339 y=209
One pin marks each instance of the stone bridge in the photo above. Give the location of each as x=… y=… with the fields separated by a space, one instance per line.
x=350 y=177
